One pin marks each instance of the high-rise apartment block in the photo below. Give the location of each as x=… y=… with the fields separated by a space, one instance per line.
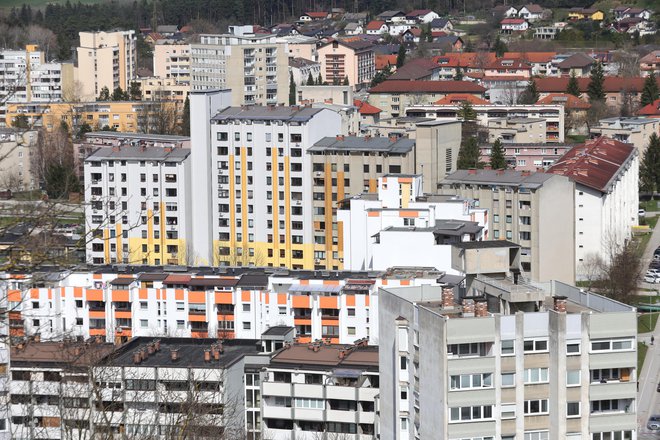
x=105 y=59
x=172 y=60
x=138 y=207
x=254 y=67
x=502 y=359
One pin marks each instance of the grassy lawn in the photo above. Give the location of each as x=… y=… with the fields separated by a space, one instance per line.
x=646 y=322
x=650 y=205
x=641 y=354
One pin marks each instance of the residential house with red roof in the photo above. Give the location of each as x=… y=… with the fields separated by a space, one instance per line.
x=650 y=63
x=541 y=62
x=411 y=35
x=466 y=62
x=382 y=61
x=651 y=110
x=512 y=68
x=377 y=27
x=616 y=88
x=623 y=12
x=578 y=63
x=511 y=25
x=460 y=98
x=533 y=12
x=314 y=16
x=575 y=111
x=369 y=114
x=606 y=177
x=393 y=97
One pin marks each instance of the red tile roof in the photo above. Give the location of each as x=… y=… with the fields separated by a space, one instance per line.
x=375 y=25
x=570 y=102
x=382 y=61
x=418 y=12
x=436 y=34
x=364 y=108
x=465 y=59
x=612 y=84
x=594 y=164
x=457 y=98
x=532 y=57
x=508 y=63
x=513 y=21
x=427 y=87
x=316 y=14
x=652 y=109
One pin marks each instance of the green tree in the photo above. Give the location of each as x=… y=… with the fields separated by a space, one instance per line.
x=497 y=158
x=401 y=56
x=499 y=47
x=649 y=169
x=459 y=74
x=319 y=81
x=118 y=94
x=381 y=76
x=134 y=91
x=21 y=121
x=104 y=95
x=466 y=111
x=650 y=90
x=530 y=95
x=596 y=91
x=345 y=83
x=310 y=79
x=292 y=90
x=185 y=123
x=468 y=154
x=84 y=128
x=573 y=87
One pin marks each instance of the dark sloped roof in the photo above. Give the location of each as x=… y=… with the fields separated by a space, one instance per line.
x=419 y=68
x=427 y=87
x=612 y=84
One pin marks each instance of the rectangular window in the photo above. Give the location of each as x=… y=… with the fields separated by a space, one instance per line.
x=536 y=406
x=246 y=325
x=572 y=348
x=573 y=378
x=508 y=379
x=536 y=345
x=572 y=409
x=508 y=347
x=508 y=410
x=536 y=375
x=471 y=381
x=467 y=413
x=537 y=435
x=612 y=345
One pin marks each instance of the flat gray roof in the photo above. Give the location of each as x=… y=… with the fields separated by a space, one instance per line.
x=354 y=143
x=498 y=177
x=267 y=113
x=486 y=244
x=149 y=137
x=138 y=153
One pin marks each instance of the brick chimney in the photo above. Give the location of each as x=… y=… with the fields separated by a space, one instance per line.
x=468 y=307
x=207 y=355
x=137 y=358
x=447 y=298
x=480 y=308
x=174 y=354
x=340 y=137
x=559 y=304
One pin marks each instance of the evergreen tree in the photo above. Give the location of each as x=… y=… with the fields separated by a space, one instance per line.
x=468 y=155
x=292 y=90
x=134 y=91
x=466 y=111
x=118 y=94
x=649 y=169
x=185 y=123
x=497 y=158
x=401 y=56
x=319 y=81
x=310 y=79
x=573 y=88
x=104 y=95
x=84 y=128
x=596 y=91
x=650 y=90
x=381 y=76
x=530 y=95
x=499 y=47
x=459 y=74
x=345 y=83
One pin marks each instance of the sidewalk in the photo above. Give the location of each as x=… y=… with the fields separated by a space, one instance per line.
x=647 y=396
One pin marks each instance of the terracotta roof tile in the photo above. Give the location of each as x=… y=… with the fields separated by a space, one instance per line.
x=532 y=57
x=513 y=21
x=416 y=69
x=428 y=87
x=364 y=108
x=652 y=109
x=568 y=101
x=375 y=25
x=382 y=61
x=612 y=84
x=457 y=98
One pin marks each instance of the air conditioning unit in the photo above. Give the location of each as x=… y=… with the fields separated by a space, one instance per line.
x=318 y=174
x=317 y=260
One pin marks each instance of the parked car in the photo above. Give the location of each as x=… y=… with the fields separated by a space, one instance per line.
x=653 y=272
x=654 y=423
x=641 y=212
x=651 y=279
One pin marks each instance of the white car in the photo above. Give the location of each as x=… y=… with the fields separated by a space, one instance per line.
x=641 y=213
x=651 y=279
x=653 y=272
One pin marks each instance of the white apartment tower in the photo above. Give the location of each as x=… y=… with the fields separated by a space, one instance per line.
x=254 y=67
x=105 y=59
x=138 y=205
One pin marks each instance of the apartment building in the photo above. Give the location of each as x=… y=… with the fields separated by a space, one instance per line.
x=172 y=60
x=528 y=156
x=237 y=303
x=522 y=130
x=138 y=205
x=105 y=59
x=606 y=176
x=262 y=60
x=502 y=359
x=123 y=116
x=302 y=69
x=532 y=209
x=634 y=131
x=16 y=149
x=395 y=98
x=553 y=114
x=321 y=390
x=163 y=89
x=49 y=388
x=258 y=186
x=349 y=60
x=402 y=226
x=26 y=76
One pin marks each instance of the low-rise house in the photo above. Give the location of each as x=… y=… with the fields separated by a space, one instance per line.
x=446 y=43
x=518 y=130
x=301 y=70
x=442 y=25
x=650 y=63
x=533 y=12
x=421 y=16
x=586 y=14
x=355 y=17
x=353 y=29
x=546 y=32
x=369 y=114
x=623 y=11
x=575 y=110
x=579 y=64
x=650 y=110
x=511 y=25
x=314 y=16
x=508 y=68
x=541 y=62
x=377 y=27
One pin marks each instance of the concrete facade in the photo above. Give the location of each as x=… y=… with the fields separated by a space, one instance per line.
x=172 y=61
x=347 y=60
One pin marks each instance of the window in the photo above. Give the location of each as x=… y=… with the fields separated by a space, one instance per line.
x=247 y=325
x=351 y=331
x=536 y=375
x=403 y=362
x=572 y=348
x=180 y=306
x=496 y=218
x=536 y=406
x=537 y=435
x=467 y=350
x=144 y=323
x=467 y=413
x=612 y=435
x=281 y=310
x=572 y=409
x=536 y=345
x=471 y=381
x=350 y=311
x=180 y=324
x=246 y=307
x=508 y=379
x=404 y=423
x=573 y=378
x=223 y=136
x=612 y=345
x=309 y=403
x=606 y=405
x=508 y=347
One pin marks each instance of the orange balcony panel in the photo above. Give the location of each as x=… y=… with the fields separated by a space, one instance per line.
x=143 y=294
x=328 y=302
x=97 y=332
x=126 y=315
x=373 y=214
x=120 y=296
x=98 y=314
x=300 y=301
x=246 y=297
x=225 y=317
x=197 y=297
x=331 y=321
x=34 y=293
x=405 y=282
x=77 y=292
x=330 y=282
x=304 y=282
x=281 y=298
x=350 y=300
x=405 y=179
x=303 y=321
x=414 y=214
x=178 y=294
x=224 y=298
x=197 y=318
x=94 y=295
x=366 y=300
x=14 y=296
x=304 y=339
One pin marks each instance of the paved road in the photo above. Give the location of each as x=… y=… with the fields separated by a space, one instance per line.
x=654 y=242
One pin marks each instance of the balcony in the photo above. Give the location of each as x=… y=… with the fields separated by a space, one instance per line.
x=276 y=389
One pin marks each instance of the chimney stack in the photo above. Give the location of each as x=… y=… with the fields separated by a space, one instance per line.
x=174 y=354
x=480 y=308
x=137 y=358
x=207 y=355
x=559 y=304
x=151 y=349
x=342 y=353
x=216 y=354
x=468 y=308
x=447 y=298
x=157 y=344
x=340 y=137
